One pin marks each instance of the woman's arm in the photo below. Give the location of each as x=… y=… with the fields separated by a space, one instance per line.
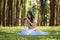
x=32 y=24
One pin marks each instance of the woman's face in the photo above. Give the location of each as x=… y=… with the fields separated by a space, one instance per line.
x=29 y=16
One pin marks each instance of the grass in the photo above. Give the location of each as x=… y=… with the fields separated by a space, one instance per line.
x=10 y=33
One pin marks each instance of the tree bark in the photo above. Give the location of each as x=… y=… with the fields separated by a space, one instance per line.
x=41 y=11
x=23 y=10
x=0 y=12
x=9 y=7
x=58 y=12
x=17 y=13
x=3 y=12
x=52 y=11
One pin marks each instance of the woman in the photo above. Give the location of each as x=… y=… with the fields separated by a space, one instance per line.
x=31 y=23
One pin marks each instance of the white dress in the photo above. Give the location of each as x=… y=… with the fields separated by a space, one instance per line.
x=32 y=31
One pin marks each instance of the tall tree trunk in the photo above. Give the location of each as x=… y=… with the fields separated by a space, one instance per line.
x=0 y=11
x=3 y=12
x=14 y=12
x=57 y=12
x=9 y=21
x=52 y=11
x=23 y=10
x=39 y=21
x=41 y=11
x=17 y=13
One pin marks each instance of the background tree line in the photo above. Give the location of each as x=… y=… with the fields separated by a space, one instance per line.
x=46 y=12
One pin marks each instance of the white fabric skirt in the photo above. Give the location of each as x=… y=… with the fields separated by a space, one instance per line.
x=28 y=31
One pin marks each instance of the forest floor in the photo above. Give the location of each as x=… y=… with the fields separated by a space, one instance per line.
x=10 y=33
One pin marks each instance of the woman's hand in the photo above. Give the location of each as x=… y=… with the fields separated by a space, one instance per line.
x=32 y=24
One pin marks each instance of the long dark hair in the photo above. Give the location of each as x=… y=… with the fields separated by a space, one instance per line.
x=32 y=16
